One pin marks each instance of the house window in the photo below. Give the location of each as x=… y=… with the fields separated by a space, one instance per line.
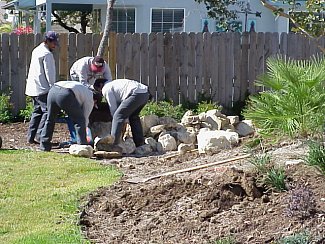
x=123 y=20
x=167 y=20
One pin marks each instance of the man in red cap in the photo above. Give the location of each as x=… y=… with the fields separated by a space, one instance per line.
x=87 y=69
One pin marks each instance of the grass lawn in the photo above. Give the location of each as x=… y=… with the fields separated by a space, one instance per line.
x=40 y=194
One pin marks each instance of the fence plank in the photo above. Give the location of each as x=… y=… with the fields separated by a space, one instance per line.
x=63 y=64
x=144 y=63
x=191 y=67
x=136 y=56
x=88 y=44
x=14 y=70
x=252 y=62
x=81 y=45
x=169 y=63
x=214 y=66
x=112 y=54
x=244 y=67
x=207 y=64
x=72 y=51
x=237 y=70
x=199 y=65
x=153 y=57
x=22 y=45
x=229 y=60
x=222 y=69
x=5 y=63
x=120 y=56
x=177 y=45
x=260 y=61
x=128 y=56
x=160 y=67
x=183 y=69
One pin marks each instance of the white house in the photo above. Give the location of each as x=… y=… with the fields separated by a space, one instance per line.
x=157 y=15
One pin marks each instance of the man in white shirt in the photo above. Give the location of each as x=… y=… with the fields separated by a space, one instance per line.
x=87 y=69
x=77 y=101
x=41 y=76
x=125 y=98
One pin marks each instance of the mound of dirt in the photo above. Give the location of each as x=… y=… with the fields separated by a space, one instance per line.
x=201 y=207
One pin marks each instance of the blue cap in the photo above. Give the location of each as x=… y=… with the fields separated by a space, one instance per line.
x=52 y=36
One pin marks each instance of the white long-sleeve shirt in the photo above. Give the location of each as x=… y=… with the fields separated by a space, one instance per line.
x=83 y=95
x=80 y=71
x=42 y=72
x=118 y=90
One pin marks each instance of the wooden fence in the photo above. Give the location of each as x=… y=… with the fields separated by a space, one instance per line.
x=178 y=66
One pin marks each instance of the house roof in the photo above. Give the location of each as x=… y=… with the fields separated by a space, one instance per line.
x=31 y=4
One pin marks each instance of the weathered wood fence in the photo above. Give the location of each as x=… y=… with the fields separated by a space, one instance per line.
x=178 y=66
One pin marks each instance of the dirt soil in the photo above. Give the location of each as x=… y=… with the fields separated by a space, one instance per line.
x=200 y=206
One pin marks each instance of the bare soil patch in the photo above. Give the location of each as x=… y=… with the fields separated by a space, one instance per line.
x=195 y=207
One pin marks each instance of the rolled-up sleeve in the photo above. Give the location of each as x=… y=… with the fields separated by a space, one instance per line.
x=49 y=68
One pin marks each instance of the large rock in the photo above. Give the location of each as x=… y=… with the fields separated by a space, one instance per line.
x=101 y=143
x=214 y=141
x=168 y=142
x=152 y=142
x=149 y=121
x=107 y=155
x=100 y=129
x=184 y=148
x=143 y=150
x=128 y=146
x=81 y=150
x=245 y=128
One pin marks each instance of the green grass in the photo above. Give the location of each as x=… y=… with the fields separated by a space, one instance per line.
x=40 y=194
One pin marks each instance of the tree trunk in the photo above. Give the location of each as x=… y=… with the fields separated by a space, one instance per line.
x=107 y=28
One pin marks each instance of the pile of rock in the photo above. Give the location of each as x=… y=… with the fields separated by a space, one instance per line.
x=208 y=132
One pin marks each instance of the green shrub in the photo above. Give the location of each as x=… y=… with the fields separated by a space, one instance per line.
x=163 y=108
x=205 y=106
x=298 y=238
x=5 y=108
x=295 y=103
x=225 y=240
x=316 y=155
x=275 y=179
x=261 y=162
x=26 y=113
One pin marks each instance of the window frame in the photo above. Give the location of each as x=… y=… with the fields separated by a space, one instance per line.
x=151 y=22
x=135 y=18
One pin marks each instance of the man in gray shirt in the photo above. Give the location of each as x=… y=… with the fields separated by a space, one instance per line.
x=87 y=69
x=41 y=76
x=77 y=101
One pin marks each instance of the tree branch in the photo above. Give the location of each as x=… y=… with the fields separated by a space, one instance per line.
x=64 y=25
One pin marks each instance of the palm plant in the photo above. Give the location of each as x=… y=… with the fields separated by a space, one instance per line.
x=294 y=104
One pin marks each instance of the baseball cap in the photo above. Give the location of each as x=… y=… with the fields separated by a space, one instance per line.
x=97 y=64
x=52 y=36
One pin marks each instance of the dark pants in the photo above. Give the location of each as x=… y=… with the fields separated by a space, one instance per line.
x=62 y=98
x=38 y=118
x=130 y=108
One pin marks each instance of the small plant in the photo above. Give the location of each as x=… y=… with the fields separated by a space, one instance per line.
x=275 y=178
x=298 y=238
x=205 y=106
x=163 y=108
x=5 y=108
x=225 y=240
x=316 y=156
x=26 y=113
x=301 y=203
x=260 y=162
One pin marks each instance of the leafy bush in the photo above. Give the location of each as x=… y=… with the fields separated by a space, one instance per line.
x=5 y=109
x=261 y=162
x=163 y=108
x=295 y=103
x=225 y=240
x=301 y=203
x=275 y=178
x=298 y=238
x=26 y=113
x=316 y=156
x=205 y=106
